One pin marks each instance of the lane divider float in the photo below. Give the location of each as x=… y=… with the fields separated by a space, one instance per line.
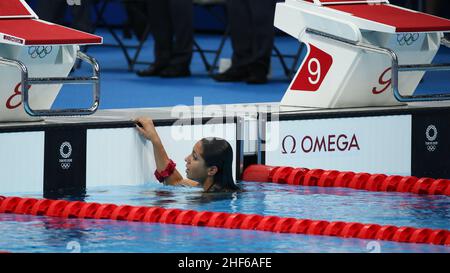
x=84 y=210
x=359 y=181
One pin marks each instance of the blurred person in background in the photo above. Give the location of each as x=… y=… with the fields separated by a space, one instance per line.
x=54 y=10
x=171 y=23
x=137 y=18
x=438 y=7
x=252 y=37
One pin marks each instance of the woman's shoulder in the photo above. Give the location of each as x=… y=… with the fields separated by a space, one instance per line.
x=188 y=183
x=218 y=189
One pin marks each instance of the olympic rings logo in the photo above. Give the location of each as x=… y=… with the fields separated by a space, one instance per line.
x=431 y=148
x=39 y=51
x=65 y=166
x=407 y=38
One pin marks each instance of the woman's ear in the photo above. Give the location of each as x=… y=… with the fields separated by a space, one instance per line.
x=212 y=170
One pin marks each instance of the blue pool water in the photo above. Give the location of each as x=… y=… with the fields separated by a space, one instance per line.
x=19 y=233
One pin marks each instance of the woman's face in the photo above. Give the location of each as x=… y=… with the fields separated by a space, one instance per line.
x=195 y=164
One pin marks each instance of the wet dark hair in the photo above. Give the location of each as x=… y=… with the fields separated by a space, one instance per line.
x=218 y=152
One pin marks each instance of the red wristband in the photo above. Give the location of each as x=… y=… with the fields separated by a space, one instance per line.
x=168 y=171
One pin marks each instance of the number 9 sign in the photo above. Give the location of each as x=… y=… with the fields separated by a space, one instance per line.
x=313 y=70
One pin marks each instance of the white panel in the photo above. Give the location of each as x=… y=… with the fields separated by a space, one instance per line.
x=365 y=144
x=21 y=162
x=123 y=157
x=116 y=157
x=251 y=136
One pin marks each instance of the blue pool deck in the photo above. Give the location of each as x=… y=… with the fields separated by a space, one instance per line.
x=124 y=89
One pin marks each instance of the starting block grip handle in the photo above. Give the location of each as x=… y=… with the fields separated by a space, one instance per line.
x=445 y=42
x=26 y=81
x=424 y=67
x=62 y=80
x=94 y=80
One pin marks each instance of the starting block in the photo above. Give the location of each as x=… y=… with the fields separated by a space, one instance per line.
x=356 y=50
x=36 y=58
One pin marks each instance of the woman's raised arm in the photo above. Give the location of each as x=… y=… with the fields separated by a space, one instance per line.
x=146 y=127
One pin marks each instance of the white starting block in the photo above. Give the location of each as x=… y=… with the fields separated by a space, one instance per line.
x=35 y=59
x=356 y=50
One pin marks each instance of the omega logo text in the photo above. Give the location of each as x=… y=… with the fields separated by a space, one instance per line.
x=316 y=144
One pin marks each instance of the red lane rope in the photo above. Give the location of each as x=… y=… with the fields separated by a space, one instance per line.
x=77 y=209
x=360 y=181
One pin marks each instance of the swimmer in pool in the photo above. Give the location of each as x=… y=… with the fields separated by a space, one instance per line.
x=208 y=166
